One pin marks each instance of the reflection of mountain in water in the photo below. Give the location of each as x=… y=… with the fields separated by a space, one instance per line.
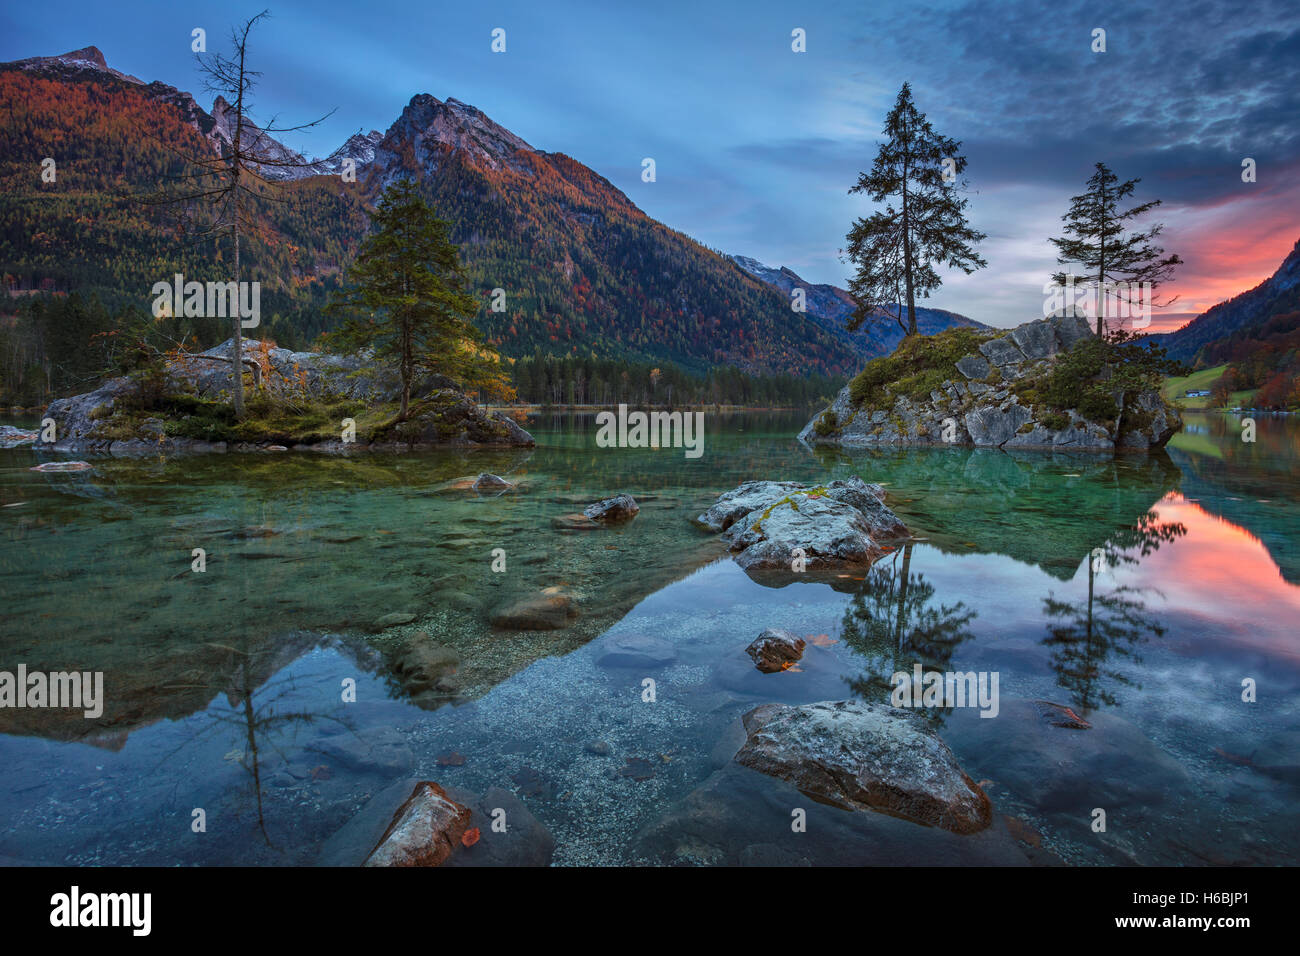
x=1045 y=509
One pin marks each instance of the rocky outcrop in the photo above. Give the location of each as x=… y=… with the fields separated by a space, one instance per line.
x=982 y=406
x=440 y=415
x=862 y=756
x=776 y=650
x=786 y=526
x=612 y=510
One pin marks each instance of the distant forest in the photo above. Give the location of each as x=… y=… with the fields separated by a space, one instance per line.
x=54 y=345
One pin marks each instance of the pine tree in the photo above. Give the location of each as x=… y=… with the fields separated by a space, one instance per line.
x=897 y=249
x=1095 y=238
x=408 y=281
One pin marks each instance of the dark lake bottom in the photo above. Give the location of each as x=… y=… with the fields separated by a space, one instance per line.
x=340 y=645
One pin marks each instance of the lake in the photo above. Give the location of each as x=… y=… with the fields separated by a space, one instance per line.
x=272 y=696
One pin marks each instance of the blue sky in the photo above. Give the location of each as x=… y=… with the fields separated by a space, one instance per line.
x=756 y=146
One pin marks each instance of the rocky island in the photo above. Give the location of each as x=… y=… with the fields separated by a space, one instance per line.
x=301 y=400
x=1050 y=383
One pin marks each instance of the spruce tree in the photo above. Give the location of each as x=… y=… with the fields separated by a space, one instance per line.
x=409 y=290
x=1094 y=238
x=896 y=249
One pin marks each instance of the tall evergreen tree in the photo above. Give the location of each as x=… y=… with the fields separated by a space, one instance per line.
x=1094 y=238
x=408 y=283
x=897 y=249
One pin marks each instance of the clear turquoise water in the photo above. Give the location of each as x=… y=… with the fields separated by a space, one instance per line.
x=224 y=688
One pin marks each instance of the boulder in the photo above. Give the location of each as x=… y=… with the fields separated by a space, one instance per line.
x=973 y=367
x=857 y=755
x=609 y=510
x=830 y=526
x=995 y=424
x=425 y=830
x=525 y=842
x=1002 y=351
x=775 y=650
x=1036 y=340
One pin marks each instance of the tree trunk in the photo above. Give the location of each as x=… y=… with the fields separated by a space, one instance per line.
x=236 y=366
x=902 y=595
x=406 y=373
x=907 y=259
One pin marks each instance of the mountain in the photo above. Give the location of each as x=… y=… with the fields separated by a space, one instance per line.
x=830 y=307
x=1242 y=315
x=584 y=270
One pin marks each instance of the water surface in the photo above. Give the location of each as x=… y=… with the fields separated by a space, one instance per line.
x=1140 y=592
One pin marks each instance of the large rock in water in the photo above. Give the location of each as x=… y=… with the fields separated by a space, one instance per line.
x=612 y=510
x=425 y=830
x=981 y=406
x=767 y=524
x=863 y=756
x=775 y=650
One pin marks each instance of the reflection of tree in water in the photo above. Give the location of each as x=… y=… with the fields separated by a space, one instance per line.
x=258 y=725
x=1090 y=639
x=894 y=622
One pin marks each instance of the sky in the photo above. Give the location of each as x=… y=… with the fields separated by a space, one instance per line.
x=756 y=145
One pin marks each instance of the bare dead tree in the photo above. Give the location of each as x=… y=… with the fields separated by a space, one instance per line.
x=230 y=181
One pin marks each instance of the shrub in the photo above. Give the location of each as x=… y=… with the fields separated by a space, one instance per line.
x=827 y=423
x=920 y=364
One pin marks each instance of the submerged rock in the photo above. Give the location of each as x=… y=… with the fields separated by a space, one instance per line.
x=637 y=650
x=617 y=508
x=770 y=525
x=395 y=619
x=488 y=483
x=575 y=522
x=1058 y=715
x=863 y=756
x=775 y=650
x=425 y=830
x=541 y=612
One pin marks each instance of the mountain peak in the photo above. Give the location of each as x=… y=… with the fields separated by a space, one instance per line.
x=90 y=54
x=87 y=58
x=427 y=120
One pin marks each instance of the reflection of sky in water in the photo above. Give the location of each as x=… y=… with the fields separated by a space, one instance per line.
x=354 y=540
